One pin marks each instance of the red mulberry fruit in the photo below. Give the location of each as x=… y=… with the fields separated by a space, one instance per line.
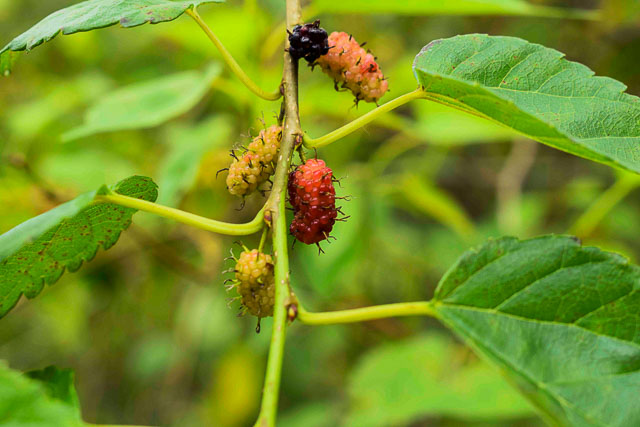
x=257 y=164
x=313 y=197
x=350 y=65
x=308 y=41
x=255 y=282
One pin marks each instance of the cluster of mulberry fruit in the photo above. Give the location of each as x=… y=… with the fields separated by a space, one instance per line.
x=308 y=41
x=254 y=282
x=256 y=164
x=353 y=67
x=313 y=198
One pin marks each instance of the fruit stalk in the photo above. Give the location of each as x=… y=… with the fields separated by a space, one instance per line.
x=275 y=217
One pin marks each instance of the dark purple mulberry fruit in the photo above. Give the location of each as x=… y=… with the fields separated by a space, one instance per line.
x=308 y=41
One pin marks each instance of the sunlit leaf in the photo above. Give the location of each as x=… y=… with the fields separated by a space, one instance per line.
x=39 y=250
x=146 y=104
x=440 y=7
x=427 y=376
x=26 y=402
x=536 y=92
x=558 y=318
x=93 y=14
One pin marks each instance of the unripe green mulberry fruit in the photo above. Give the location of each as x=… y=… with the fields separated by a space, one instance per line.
x=255 y=282
x=245 y=174
x=257 y=164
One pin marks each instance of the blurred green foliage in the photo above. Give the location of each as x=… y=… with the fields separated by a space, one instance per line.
x=146 y=325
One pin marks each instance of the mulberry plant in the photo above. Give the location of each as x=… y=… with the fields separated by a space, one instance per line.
x=557 y=318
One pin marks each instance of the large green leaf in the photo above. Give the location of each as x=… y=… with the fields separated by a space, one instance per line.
x=39 y=250
x=146 y=104
x=441 y=7
x=94 y=14
x=536 y=92
x=560 y=319
x=402 y=382
x=26 y=402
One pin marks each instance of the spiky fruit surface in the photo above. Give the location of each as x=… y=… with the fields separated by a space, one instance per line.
x=308 y=41
x=255 y=282
x=313 y=197
x=353 y=67
x=257 y=164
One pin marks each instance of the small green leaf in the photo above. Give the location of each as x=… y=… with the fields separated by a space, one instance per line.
x=402 y=382
x=25 y=402
x=457 y=7
x=560 y=319
x=146 y=104
x=93 y=14
x=59 y=384
x=536 y=92
x=39 y=250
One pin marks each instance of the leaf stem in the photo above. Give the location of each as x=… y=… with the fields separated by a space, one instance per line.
x=275 y=216
x=589 y=220
x=375 y=312
x=185 y=217
x=231 y=62
x=363 y=120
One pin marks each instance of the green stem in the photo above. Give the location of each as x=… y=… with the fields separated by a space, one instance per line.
x=589 y=220
x=269 y=407
x=363 y=120
x=233 y=65
x=421 y=308
x=185 y=217
x=275 y=216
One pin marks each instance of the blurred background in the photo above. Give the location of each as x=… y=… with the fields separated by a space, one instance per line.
x=146 y=325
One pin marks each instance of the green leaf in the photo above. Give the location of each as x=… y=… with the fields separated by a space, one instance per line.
x=402 y=382
x=439 y=7
x=187 y=145
x=59 y=384
x=536 y=92
x=39 y=250
x=93 y=14
x=559 y=319
x=25 y=402
x=147 y=104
